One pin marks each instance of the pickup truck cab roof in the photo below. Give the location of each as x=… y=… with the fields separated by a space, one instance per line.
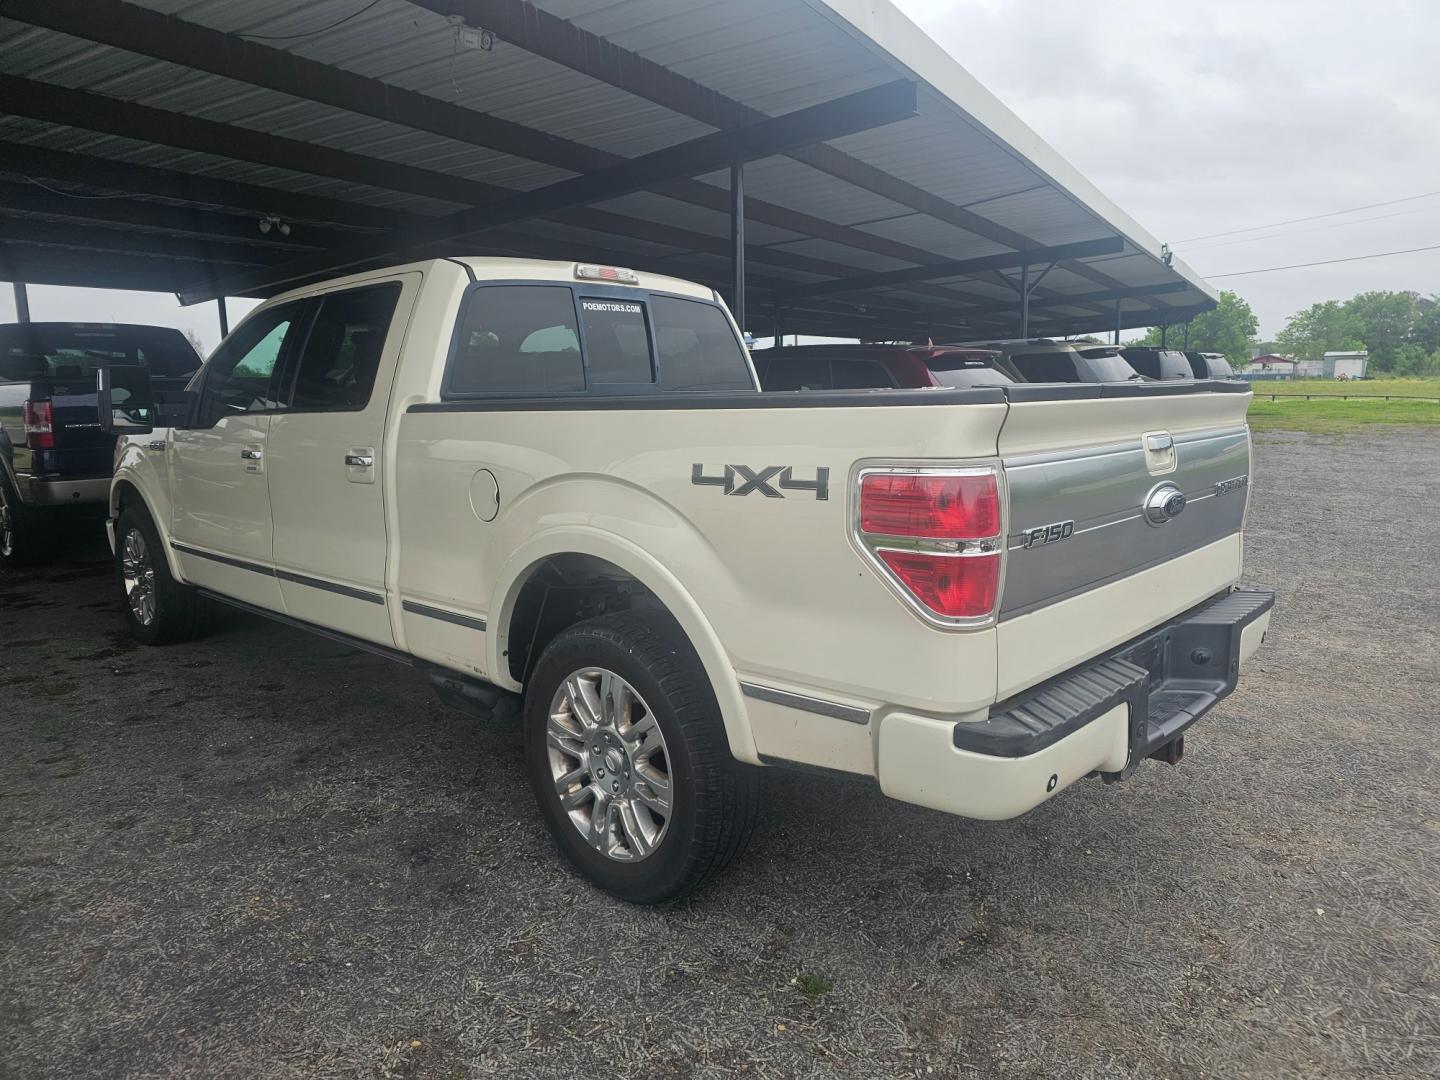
x=874 y=366
x=1042 y=360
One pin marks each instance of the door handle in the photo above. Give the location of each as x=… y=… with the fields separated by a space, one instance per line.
x=250 y=455
x=359 y=461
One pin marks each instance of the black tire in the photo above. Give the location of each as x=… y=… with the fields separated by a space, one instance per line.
x=714 y=798
x=25 y=532
x=179 y=612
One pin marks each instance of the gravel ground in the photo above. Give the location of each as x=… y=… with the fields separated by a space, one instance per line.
x=266 y=855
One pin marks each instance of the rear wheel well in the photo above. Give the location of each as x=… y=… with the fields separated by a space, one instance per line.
x=559 y=592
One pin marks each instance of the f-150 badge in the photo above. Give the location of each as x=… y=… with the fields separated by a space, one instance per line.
x=772 y=481
x=1049 y=534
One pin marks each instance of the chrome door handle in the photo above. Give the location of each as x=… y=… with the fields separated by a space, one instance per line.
x=156 y=444
x=360 y=461
x=250 y=455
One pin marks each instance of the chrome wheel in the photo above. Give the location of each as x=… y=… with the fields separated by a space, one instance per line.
x=138 y=572
x=609 y=764
x=7 y=525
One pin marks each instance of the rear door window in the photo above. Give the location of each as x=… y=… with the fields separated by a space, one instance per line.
x=617 y=341
x=516 y=339
x=969 y=373
x=798 y=373
x=859 y=375
x=697 y=347
x=342 y=350
x=1045 y=367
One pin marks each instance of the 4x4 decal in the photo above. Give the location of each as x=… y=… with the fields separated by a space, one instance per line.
x=743 y=480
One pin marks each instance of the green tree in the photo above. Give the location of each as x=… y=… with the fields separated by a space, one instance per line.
x=1320 y=328
x=1426 y=330
x=1229 y=328
x=1384 y=321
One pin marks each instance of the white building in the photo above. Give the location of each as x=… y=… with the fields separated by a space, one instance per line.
x=1351 y=365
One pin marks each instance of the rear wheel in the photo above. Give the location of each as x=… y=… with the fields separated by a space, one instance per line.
x=158 y=609
x=629 y=761
x=24 y=530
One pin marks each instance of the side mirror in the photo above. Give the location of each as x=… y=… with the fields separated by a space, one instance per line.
x=127 y=404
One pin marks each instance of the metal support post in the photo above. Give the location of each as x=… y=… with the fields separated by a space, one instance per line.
x=737 y=237
x=1024 y=300
x=22 y=303
x=224 y=318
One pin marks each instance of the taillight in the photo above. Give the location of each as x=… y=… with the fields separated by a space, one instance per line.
x=964 y=506
x=39 y=425
x=935 y=535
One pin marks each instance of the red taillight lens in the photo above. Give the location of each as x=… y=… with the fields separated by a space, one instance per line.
x=955 y=586
x=39 y=425
x=934 y=506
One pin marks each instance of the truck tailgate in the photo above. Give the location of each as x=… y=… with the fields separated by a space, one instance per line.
x=1124 y=510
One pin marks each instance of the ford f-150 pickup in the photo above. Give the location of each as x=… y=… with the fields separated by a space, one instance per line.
x=54 y=458
x=559 y=483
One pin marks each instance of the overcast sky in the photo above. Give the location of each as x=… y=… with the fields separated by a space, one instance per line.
x=1194 y=118
x=1200 y=118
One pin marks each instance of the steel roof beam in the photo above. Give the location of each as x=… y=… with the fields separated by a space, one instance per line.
x=961 y=267
x=89 y=111
x=164 y=37
x=564 y=43
x=860 y=111
x=153 y=217
x=127 y=241
x=108 y=174
x=1136 y=292
x=101 y=270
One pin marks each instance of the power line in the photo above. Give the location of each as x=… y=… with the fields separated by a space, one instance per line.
x=1313 y=228
x=1312 y=217
x=1324 y=262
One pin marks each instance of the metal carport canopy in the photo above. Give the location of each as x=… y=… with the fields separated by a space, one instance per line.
x=142 y=145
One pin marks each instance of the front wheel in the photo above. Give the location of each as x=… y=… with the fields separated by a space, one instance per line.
x=158 y=609
x=629 y=761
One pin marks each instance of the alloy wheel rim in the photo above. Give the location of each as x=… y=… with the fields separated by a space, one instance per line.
x=7 y=524
x=138 y=571
x=609 y=764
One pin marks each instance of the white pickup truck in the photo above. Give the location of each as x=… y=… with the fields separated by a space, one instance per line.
x=561 y=481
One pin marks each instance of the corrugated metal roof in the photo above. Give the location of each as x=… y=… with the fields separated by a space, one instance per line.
x=963 y=154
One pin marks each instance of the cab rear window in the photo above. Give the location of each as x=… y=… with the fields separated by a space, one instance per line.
x=554 y=338
x=60 y=351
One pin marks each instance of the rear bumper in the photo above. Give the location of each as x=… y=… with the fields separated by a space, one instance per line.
x=1107 y=716
x=40 y=491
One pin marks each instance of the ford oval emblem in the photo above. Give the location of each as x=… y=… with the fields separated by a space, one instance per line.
x=1164 y=503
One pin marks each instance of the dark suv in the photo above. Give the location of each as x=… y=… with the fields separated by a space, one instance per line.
x=1210 y=365
x=53 y=454
x=877 y=367
x=1158 y=363
x=1041 y=360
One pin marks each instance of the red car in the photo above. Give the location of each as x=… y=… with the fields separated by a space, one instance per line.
x=879 y=367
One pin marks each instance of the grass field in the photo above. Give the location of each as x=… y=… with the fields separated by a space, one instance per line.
x=1393 y=387
x=1337 y=416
